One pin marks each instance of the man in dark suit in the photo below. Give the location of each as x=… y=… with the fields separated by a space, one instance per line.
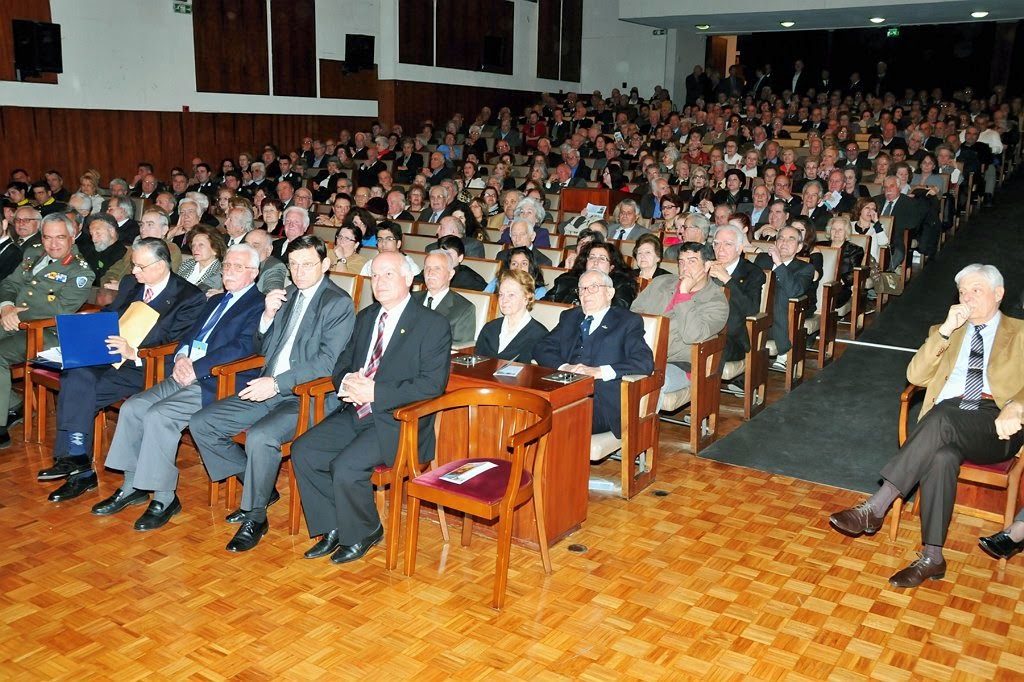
x=744 y=280
x=204 y=181
x=439 y=206
x=87 y=390
x=326 y=180
x=799 y=81
x=367 y=172
x=149 y=425
x=438 y=270
x=521 y=233
x=906 y=211
x=793 y=278
x=563 y=178
x=399 y=354
x=812 y=206
x=601 y=341
x=696 y=85
x=302 y=332
x=123 y=211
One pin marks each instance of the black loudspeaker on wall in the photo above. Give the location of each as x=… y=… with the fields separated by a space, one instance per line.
x=36 y=48
x=494 y=53
x=358 y=52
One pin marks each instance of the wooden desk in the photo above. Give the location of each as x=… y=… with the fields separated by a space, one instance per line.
x=566 y=472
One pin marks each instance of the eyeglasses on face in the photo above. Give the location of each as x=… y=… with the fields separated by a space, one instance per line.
x=591 y=289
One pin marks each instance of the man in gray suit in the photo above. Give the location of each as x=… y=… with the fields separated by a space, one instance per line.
x=273 y=273
x=301 y=334
x=625 y=225
x=438 y=270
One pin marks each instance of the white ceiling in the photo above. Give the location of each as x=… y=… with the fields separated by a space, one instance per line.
x=735 y=16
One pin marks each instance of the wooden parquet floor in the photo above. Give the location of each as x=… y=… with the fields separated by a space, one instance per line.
x=732 y=574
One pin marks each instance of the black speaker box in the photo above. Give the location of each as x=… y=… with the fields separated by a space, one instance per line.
x=358 y=52
x=36 y=47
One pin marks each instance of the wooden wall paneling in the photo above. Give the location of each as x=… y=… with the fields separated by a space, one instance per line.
x=30 y=10
x=572 y=39
x=414 y=102
x=503 y=24
x=549 y=20
x=334 y=82
x=416 y=32
x=293 y=40
x=230 y=38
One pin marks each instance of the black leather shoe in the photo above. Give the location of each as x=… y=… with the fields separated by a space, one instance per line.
x=859 y=520
x=5 y=439
x=916 y=573
x=118 y=501
x=157 y=515
x=16 y=416
x=237 y=515
x=62 y=468
x=324 y=546
x=73 y=487
x=347 y=553
x=248 y=536
x=1000 y=545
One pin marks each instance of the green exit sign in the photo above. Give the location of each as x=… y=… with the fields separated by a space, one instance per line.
x=182 y=8
x=893 y=32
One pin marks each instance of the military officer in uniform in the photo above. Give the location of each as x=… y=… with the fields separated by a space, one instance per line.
x=56 y=283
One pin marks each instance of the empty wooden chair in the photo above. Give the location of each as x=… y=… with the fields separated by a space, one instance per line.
x=507 y=428
x=703 y=394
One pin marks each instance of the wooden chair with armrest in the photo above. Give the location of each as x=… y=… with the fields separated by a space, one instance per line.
x=34 y=345
x=973 y=481
x=508 y=428
x=754 y=365
x=824 y=320
x=703 y=394
x=638 y=403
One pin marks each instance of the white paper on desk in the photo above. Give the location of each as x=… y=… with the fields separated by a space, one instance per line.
x=509 y=371
x=467 y=471
x=52 y=355
x=135 y=325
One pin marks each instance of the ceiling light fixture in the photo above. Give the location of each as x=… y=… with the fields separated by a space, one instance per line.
x=702 y=27
x=787 y=24
x=876 y=20
x=980 y=14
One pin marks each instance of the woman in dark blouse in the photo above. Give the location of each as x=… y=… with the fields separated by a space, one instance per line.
x=515 y=333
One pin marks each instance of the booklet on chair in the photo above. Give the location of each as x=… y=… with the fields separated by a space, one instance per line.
x=467 y=471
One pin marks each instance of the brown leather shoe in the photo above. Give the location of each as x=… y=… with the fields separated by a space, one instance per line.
x=915 y=574
x=859 y=520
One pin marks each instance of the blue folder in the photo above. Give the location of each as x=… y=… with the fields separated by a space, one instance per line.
x=83 y=339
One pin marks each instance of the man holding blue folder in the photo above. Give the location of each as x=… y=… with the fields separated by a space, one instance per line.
x=87 y=390
x=145 y=443
x=56 y=283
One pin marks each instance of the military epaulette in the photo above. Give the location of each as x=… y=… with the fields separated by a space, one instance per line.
x=67 y=259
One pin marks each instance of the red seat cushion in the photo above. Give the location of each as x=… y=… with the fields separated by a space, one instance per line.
x=486 y=488
x=998 y=467
x=48 y=373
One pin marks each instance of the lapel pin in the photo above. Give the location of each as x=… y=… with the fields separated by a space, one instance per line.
x=401 y=331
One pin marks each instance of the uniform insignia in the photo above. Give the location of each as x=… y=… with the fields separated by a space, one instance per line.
x=51 y=297
x=50 y=275
x=81 y=282
x=67 y=259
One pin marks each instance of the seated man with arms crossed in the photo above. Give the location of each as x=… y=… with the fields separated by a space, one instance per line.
x=399 y=354
x=149 y=426
x=601 y=341
x=302 y=332
x=793 y=278
x=696 y=309
x=973 y=367
x=84 y=391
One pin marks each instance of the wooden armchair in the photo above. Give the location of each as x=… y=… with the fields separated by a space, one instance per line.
x=638 y=403
x=754 y=365
x=795 y=315
x=824 y=320
x=507 y=427
x=975 y=482
x=703 y=394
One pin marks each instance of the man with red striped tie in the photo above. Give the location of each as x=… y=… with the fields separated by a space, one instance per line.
x=399 y=354
x=973 y=367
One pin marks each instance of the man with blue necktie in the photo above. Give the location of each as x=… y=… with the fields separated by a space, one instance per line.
x=973 y=367
x=145 y=443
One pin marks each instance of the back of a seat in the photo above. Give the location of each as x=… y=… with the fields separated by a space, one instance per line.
x=417 y=242
x=488 y=269
x=886 y=222
x=656 y=336
x=864 y=242
x=829 y=270
x=486 y=306
x=349 y=282
x=492 y=249
x=547 y=312
x=365 y=293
